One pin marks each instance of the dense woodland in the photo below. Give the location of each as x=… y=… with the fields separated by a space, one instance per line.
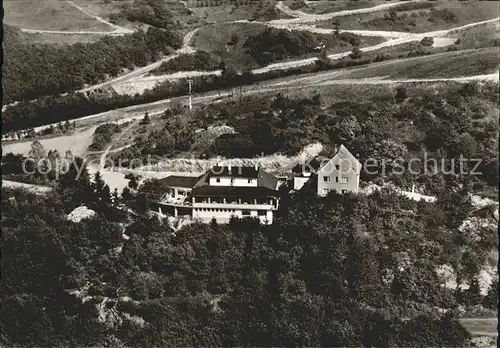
x=336 y=271
x=35 y=70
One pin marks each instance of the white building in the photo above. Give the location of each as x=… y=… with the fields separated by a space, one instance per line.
x=223 y=192
x=340 y=173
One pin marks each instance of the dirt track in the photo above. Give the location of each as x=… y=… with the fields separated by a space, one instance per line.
x=302 y=17
x=145 y=69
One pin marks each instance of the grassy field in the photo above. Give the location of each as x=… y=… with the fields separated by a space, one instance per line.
x=485 y=35
x=77 y=143
x=444 y=15
x=450 y=64
x=49 y=15
x=481 y=326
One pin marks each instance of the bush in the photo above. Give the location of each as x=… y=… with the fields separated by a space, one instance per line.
x=355 y=53
x=427 y=41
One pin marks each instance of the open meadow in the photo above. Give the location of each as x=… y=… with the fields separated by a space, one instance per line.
x=77 y=143
x=450 y=64
x=49 y=15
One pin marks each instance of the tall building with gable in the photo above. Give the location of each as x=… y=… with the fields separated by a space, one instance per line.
x=340 y=173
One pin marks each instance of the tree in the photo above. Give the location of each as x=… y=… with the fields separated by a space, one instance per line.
x=133 y=184
x=491 y=298
x=427 y=41
x=37 y=151
x=336 y=26
x=228 y=74
x=146 y=119
x=234 y=38
x=473 y=293
x=346 y=130
x=323 y=60
x=356 y=53
x=401 y=94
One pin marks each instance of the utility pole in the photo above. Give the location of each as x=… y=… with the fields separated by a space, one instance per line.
x=240 y=97
x=190 y=81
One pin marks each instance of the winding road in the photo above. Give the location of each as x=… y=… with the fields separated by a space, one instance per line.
x=139 y=84
x=127 y=81
x=185 y=49
x=302 y=17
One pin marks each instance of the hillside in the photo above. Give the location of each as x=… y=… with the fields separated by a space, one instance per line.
x=432 y=16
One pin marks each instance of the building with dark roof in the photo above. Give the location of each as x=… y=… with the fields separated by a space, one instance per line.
x=222 y=192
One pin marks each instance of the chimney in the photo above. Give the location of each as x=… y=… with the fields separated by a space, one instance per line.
x=335 y=149
x=413 y=188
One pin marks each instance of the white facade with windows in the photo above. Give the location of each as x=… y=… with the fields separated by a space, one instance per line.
x=223 y=192
x=340 y=173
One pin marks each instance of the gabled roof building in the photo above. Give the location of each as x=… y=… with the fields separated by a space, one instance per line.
x=340 y=173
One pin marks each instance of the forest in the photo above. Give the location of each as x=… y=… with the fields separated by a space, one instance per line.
x=348 y=270
x=36 y=70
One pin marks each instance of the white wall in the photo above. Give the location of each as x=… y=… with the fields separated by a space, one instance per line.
x=298 y=182
x=223 y=215
x=226 y=181
x=344 y=170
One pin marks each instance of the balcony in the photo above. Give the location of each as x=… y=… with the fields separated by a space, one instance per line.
x=178 y=201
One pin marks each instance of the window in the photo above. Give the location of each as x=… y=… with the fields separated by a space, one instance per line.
x=249 y=181
x=262 y=213
x=336 y=179
x=344 y=191
x=232 y=181
x=217 y=180
x=344 y=180
x=326 y=179
x=245 y=213
x=337 y=167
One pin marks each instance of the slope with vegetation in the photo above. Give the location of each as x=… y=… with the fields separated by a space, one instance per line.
x=419 y=17
x=35 y=70
x=249 y=45
x=337 y=271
